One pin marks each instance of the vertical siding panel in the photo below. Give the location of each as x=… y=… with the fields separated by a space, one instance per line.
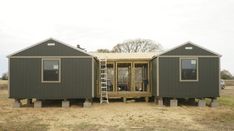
x=154 y=76
x=170 y=86
x=76 y=77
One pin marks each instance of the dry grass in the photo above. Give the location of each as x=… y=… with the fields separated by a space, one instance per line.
x=118 y=116
x=3 y=81
x=3 y=84
x=229 y=82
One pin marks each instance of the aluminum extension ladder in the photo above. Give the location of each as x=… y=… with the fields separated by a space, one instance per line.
x=103 y=82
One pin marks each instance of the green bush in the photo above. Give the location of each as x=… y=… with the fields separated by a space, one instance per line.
x=5 y=76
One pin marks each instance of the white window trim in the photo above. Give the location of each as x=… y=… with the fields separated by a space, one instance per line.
x=42 y=70
x=189 y=58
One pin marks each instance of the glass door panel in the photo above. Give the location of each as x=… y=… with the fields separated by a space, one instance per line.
x=110 y=77
x=141 y=77
x=124 y=76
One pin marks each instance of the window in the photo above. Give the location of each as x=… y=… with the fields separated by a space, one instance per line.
x=124 y=77
x=189 y=69
x=51 y=70
x=141 y=76
x=110 y=77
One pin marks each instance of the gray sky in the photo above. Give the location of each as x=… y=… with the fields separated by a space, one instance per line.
x=103 y=23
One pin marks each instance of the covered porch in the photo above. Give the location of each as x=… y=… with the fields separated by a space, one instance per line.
x=128 y=74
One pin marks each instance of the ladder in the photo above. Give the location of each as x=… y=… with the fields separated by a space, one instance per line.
x=103 y=81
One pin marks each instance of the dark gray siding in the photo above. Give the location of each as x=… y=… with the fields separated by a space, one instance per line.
x=154 y=76
x=96 y=76
x=170 y=85
x=58 y=50
x=76 y=79
x=195 y=51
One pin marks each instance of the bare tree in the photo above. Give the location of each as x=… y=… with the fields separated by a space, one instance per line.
x=103 y=51
x=137 y=45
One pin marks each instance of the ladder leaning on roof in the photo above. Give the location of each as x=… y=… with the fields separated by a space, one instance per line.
x=103 y=81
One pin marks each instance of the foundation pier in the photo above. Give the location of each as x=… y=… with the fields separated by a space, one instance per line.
x=201 y=102
x=173 y=102
x=147 y=99
x=17 y=103
x=214 y=102
x=29 y=102
x=87 y=103
x=65 y=103
x=155 y=100
x=38 y=104
x=124 y=99
x=160 y=101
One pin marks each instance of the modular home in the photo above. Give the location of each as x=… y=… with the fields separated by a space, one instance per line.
x=52 y=70
x=187 y=71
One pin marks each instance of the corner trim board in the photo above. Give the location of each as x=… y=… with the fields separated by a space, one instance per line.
x=219 y=77
x=157 y=76
x=92 y=77
x=9 y=72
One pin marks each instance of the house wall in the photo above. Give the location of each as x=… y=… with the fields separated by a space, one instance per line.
x=25 y=79
x=96 y=77
x=154 y=76
x=169 y=79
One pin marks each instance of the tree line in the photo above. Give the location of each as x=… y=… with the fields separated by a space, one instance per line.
x=135 y=45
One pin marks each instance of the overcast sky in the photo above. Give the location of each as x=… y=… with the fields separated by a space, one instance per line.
x=104 y=23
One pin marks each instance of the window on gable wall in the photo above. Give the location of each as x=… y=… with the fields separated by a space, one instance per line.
x=51 y=70
x=189 y=69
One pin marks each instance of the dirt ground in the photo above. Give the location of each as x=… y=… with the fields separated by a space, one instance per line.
x=119 y=116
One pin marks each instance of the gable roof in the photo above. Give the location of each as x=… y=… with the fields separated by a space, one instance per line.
x=76 y=51
x=189 y=44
